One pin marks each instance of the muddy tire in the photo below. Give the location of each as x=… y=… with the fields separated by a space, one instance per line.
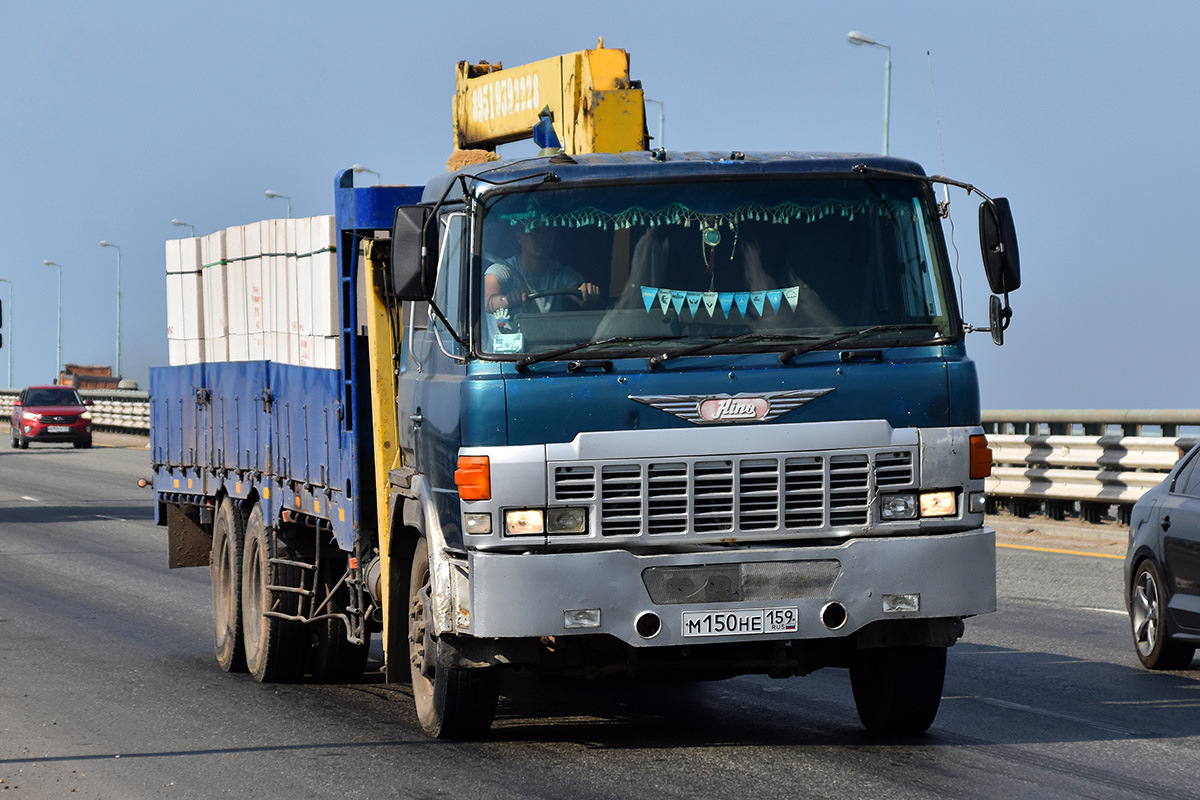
x=335 y=659
x=276 y=649
x=225 y=570
x=452 y=702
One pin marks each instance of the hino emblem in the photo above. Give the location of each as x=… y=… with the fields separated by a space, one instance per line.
x=711 y=409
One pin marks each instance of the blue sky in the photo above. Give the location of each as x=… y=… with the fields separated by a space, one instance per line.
x=116 y=118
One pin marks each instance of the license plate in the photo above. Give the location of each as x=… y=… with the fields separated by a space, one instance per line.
x=744 y=621
x=58 y=428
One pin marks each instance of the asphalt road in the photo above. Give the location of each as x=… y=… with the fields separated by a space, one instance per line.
x=109 y=689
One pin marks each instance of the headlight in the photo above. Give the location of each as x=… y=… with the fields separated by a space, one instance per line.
x=910 y=506
x=938 y=504
x=566 y=520
x=536 y=521
x=525 y=522
x=86 y=415
x=898 y=506
x=32 y=415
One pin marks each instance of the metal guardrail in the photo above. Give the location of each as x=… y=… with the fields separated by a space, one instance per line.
x=117 y=411
x=1055 y=462
x=1089 y=462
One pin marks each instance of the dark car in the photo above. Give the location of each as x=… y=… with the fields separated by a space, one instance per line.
x=51 y=414
x=1162 y=568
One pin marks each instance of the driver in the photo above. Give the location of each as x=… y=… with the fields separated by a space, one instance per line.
x=510 y=282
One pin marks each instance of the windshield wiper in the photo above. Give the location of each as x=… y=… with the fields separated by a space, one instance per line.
x=536 y=357
x=800 y=349
x=717 y=342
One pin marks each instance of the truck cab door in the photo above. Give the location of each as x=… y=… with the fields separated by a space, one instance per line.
x=433 y=369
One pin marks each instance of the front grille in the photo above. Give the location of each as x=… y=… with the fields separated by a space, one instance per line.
x=59 y=419
x=753 y=494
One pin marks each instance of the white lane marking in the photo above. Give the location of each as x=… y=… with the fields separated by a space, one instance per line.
x=30 y=499
x=106 y=516
x=1044 y=713
x=1105 y=610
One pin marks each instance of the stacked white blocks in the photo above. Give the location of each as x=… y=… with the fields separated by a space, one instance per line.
x=185 y=321
x=263 y=291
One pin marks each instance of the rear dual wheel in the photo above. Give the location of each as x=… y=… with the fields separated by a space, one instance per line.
x=276 y=648
x=335 y=659
x=225 y=570
x=271 y=648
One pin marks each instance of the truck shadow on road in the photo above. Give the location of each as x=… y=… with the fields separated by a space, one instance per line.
x=1085 y=702
x=42 y=513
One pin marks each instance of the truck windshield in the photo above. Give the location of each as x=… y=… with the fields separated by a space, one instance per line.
x=763 y=264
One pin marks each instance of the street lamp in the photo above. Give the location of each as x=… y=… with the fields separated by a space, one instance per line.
x=856 y=38
x=662 y=118
x=361 y=168
x=58 y=360
x=181 y=224
x=10 y=331
x=117 y=368
x=273 y=195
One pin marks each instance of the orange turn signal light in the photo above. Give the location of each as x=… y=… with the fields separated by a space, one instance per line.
x=474 y=478
x=981 y=457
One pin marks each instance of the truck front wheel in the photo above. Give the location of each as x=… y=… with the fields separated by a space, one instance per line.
x=452 y=702
x=898 y=689
x=226 y=575
x=276 y=649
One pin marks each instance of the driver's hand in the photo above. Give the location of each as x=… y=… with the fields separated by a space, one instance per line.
x=588 y=292
x=506 y=300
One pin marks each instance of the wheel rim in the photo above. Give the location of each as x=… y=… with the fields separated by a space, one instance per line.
x=1145 y=612
x=252 y=600
x=223 y=586
x=420 y=639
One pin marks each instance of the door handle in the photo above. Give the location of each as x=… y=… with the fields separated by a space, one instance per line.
x=416 y=420
x=1166 y=523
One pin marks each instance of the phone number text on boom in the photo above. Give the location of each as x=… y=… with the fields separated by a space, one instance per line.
x=505 y=96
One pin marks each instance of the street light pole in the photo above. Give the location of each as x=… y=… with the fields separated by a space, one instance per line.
x=117 y=367
x=58 y=359
x=273 y=195
x=10 y=331
x=857 y=38
x=181 y=224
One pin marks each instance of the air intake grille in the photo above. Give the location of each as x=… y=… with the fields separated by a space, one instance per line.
x=745 y=495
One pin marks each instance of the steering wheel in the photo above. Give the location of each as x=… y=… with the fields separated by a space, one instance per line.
x=569 y=291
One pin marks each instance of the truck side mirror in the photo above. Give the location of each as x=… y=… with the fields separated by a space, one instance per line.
x=997 y=320
x=998 y=241
x=414 y=251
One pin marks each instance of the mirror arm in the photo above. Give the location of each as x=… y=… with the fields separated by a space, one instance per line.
x=970 y=188
x=1006 y=314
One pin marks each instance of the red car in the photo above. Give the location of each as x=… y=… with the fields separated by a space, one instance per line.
x=51 y=414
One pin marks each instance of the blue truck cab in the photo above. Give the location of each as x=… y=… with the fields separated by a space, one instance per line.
x=653 y=413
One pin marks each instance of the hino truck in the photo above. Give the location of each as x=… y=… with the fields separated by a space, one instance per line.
x=609 y=410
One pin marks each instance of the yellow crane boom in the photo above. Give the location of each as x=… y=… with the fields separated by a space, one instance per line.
x=594 y=105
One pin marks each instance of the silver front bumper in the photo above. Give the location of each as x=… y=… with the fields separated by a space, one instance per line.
x=531 y=595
